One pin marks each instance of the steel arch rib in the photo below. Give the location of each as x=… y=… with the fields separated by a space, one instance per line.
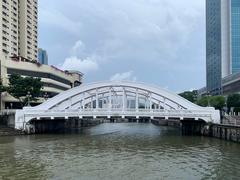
x=62 y=97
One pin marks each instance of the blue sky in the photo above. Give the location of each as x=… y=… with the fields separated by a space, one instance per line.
x=159 y=42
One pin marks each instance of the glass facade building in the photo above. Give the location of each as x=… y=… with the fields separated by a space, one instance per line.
x=42 y=56
x=235 y=29
x=222 y=42
x=213 y=43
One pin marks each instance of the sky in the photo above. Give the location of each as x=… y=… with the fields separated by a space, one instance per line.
x=159 y=42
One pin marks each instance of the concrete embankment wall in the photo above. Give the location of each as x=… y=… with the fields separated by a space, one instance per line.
x=225 y=132
x=7 y=120
x=187 y=126
x=7 y=124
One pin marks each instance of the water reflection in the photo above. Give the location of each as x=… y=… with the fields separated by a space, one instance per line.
x=119 y=151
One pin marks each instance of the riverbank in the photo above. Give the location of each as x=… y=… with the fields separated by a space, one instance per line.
x=222 y=131
x=7 y=131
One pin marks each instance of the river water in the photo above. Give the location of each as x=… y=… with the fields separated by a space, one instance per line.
x=118 y=151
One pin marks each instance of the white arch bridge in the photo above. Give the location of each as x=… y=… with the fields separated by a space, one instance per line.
x=116 y=99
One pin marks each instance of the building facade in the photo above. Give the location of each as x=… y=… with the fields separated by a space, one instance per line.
x=222 y=42
x=19 y=52
x=42 y=56
x=235 y=36
x=19 y=28
x=54 y=80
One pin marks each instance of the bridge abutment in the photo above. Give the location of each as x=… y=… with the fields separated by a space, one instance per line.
x=60 y=125
x=192 y=127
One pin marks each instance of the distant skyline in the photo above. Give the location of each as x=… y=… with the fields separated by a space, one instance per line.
x=158 y=42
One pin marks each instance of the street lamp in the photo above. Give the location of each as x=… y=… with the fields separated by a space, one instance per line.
x=208 y=95
x=28 y=97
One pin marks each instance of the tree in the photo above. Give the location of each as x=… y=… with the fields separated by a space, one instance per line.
x=20 y=87
x=190 y=95
x=217 y=101
x=203 y=101
x=233 y=100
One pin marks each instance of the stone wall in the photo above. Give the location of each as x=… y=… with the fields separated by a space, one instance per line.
x=7 y=124
x=231 y=120
x=225 y=132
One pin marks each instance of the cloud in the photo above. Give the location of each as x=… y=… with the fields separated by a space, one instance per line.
x=78 y=47
x=165 y=39
x=125 y=76
x=78 y=62
x=83 y=65
x=58 y=19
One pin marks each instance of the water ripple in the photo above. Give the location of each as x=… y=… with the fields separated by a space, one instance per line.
x=119 y=151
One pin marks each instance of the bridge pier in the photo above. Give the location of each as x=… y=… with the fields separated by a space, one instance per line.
x=192 y=127
x=59 y=125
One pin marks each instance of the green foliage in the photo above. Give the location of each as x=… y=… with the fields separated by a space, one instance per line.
x=233 y=100
x=217 y=101
x=190 y=95
x=20 y=86
x=214 y=101
x=203 y=101
x=2 y=87
x=236 y=109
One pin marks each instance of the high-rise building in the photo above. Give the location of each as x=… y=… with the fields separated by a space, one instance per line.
x=18 y=28
x=42 y=56
x=222 y=42
x=19 y=52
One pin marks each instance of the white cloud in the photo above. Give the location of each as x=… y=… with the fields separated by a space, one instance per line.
x=83 y=65
x=58 y=19
x=154 y=36
x=125 y=76
x=78 y=47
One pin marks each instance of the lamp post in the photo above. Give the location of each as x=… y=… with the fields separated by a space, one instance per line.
x=28 y=97
x=208 y=95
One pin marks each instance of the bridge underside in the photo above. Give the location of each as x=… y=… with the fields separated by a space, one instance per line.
x=116 y=99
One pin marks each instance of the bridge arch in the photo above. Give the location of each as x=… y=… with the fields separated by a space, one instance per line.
x=118 y=97
x=95 y=91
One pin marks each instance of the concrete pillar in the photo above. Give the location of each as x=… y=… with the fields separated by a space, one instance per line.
x=110 y=100
x=164 y=104
x=145 y=103
x=80 y=105
x=83 y=101
x=137 y=101
x=97 y=100
x=70 y=99
x=91 y=103
x=150 y=102
x=123 y=99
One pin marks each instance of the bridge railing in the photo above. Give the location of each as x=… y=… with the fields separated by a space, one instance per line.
x=99 y=112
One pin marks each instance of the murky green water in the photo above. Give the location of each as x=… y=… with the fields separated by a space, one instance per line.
x=118 y=151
